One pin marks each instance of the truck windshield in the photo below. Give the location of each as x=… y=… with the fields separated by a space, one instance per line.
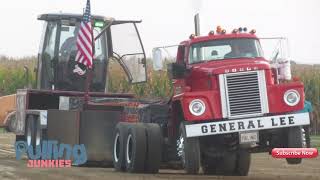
x=225 y=49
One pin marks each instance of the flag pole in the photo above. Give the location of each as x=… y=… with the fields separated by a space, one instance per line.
x=90 y=71
x=88 y=83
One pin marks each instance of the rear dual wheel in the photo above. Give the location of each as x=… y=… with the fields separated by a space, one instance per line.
x=137 y=148
x=118 y=147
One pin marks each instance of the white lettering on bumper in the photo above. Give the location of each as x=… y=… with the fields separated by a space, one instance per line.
x=240 y=125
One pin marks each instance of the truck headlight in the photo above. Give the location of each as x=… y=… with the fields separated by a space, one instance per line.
x=197 y=107
x=291 y=97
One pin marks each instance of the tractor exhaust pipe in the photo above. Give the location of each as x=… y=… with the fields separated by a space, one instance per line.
x=197 y=24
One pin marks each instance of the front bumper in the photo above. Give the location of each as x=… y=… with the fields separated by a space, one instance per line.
x=250 y=124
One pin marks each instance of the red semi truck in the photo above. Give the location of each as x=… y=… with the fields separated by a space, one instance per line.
x=229 y=101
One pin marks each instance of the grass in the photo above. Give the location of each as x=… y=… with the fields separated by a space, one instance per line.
x=2 y=130
x=315 y=141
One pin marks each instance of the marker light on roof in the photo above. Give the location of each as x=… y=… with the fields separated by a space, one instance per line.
x=245 y=29
x=211 y=33
x=223 y=31
x=192 y=36
x=98 y=24
x=253 y=31
x=235 y=31
x=219 y=29
x=240 y=29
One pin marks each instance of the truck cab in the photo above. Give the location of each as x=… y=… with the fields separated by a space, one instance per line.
x=231 y=70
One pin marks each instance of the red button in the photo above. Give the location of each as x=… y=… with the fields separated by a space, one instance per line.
x=294 y=152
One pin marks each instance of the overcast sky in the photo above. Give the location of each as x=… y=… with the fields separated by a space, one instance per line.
x=167 y=22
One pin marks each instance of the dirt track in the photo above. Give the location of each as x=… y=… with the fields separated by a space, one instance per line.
x=262 y=167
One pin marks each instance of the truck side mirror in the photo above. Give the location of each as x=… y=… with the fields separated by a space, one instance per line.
x=177 y=70
x=157 y=59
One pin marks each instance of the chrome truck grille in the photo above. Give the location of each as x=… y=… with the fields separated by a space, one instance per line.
x=243 y=94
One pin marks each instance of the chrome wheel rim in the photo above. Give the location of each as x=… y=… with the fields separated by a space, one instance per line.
x=303 y=136
x=129 y=149
x=116 y=151
x=180 y=148
x=38 y=135
x=29 y=136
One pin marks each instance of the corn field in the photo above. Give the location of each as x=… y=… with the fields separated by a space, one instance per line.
x=13 y=76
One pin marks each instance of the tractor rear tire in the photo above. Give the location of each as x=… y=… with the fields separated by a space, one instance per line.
x=154 y=148
x=118 y=147
x=135 y=148
x=295 y=140
x=190 y=151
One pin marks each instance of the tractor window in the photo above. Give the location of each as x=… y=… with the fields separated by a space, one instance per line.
x=48 y=56
x=68 y=39
x=99 y=52
x=129 y=52
x=67 y=79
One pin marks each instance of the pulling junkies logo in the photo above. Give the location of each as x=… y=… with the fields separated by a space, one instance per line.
x=51 y=154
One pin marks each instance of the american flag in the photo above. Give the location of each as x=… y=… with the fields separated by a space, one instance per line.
x=84 y=39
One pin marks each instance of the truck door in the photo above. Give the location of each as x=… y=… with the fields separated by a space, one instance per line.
x=129 y=51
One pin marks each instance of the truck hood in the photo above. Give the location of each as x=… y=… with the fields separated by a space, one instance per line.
x=230 y=66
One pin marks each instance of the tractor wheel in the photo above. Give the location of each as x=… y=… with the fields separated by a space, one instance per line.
x=296 y=139
x=242 y=163
x=154 y=148
x=119 y=146
x=135 y=148
x=30 y=131
x=188 y=151
x=11 y=124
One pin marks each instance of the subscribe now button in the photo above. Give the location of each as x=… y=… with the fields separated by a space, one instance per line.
x=295 y=152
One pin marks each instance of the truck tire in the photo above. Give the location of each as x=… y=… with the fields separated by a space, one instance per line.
x=209 y=165
x=295 y=140
x=135 y=148
x=154 y=148
x=188 y=151
x=243 y=163
x=227 y=164
x=119 y=146
x=231 y=164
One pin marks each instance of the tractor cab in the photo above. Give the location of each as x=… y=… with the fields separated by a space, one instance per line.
x=117 y=40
